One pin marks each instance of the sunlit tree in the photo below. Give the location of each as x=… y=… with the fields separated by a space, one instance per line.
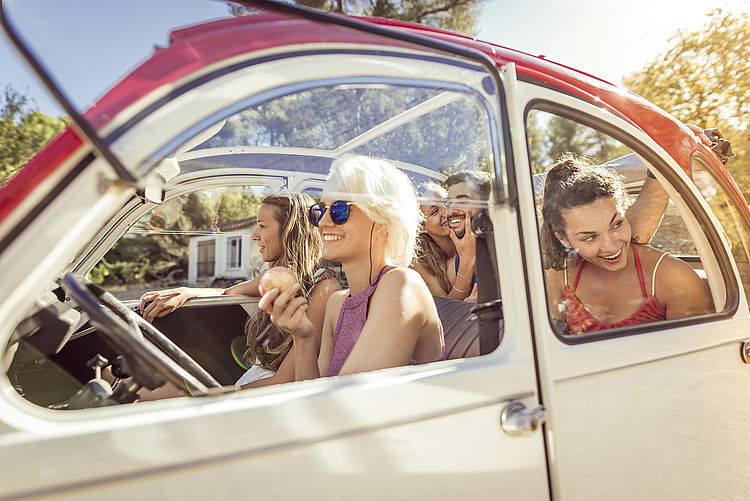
x=704 y=78
x=454 y=15
x=23 y=131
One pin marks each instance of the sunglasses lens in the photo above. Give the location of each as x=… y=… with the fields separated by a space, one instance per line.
x=339 y=212
x=316 y=214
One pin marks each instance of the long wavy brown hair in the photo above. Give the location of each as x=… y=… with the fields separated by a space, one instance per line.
x=433 y=258
x=302 y=250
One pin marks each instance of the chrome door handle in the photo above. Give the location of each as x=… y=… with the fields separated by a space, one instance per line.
x=516 y=419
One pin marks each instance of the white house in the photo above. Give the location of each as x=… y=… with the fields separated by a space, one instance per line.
x=229 y=253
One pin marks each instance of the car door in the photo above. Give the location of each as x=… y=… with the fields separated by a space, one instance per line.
x=433 y=430
x=651 y=411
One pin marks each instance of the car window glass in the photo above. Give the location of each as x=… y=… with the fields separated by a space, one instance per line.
x=200 y=238
x=550 y=136
x=735 y=224
x=283 y=143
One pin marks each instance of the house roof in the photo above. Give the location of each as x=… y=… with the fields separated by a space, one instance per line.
x=229 y=226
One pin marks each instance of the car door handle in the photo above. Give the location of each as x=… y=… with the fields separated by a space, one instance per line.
x=517 y=420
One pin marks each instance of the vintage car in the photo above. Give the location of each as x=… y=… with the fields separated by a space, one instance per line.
x=260 y=99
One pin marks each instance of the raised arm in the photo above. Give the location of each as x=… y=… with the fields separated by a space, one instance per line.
x=466 y=247
x=647 y=211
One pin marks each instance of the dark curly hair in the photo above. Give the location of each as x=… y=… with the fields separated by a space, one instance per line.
x=572 y=182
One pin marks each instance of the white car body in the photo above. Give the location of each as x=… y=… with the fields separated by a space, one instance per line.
x=655 y=413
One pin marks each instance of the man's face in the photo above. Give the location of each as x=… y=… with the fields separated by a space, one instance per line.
x=462 y=192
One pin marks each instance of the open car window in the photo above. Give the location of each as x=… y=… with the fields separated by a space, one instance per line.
x=429 y=115
x=678 y=234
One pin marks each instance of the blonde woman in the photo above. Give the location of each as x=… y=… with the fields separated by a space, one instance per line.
x=368 y=219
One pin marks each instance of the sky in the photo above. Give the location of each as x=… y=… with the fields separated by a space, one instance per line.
x=602 y=37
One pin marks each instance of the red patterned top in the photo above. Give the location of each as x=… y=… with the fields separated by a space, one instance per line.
x=581 y=321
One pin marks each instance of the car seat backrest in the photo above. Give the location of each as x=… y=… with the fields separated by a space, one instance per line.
x=461 y=334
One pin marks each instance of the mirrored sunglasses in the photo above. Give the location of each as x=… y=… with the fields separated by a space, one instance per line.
x=339 y=212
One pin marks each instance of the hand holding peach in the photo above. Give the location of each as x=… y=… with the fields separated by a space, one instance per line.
x=279 y=277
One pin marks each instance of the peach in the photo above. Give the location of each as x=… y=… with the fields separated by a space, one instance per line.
x=280 y=277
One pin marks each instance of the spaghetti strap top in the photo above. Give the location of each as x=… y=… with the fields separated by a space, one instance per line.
x=351 y=321
x=581 y=321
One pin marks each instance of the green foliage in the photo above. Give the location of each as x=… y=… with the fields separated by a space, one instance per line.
x=550 y=136
x=23 y=132
x=453 y=135
x=455 y=15
x=705 y=79
x=134 y=260
x=234 y=206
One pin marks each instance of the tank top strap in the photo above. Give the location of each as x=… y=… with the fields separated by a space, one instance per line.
x=653 y=275
x=580 y=262
x=639 y=270
x=371 y=288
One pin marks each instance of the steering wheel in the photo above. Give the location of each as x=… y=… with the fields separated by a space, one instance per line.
x=126 y=330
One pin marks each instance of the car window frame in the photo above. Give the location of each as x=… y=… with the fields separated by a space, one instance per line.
x=688 y=197
x=731 y=195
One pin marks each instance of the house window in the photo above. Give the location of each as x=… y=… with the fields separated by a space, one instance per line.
x=234 y=253
x=206 y=258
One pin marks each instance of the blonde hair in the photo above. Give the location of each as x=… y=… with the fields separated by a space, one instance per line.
x=301 y=251
x=386 y=196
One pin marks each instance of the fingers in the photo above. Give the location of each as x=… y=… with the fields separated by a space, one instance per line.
x=274 y=302
x=698 y=131
x=286 y=310
x=152 y=310
x=146 y=298
x=453 y=237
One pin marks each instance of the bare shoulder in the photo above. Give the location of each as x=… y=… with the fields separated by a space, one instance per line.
x=326 y=287
x=668 y=264
x=673 y=275
x=403 y=278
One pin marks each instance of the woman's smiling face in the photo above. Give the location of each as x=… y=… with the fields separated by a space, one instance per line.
x=435 y=222
x=267 y=234
x=599 y=232
x=344 y=241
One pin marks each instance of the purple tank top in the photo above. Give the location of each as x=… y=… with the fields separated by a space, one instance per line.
x=352 y=318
